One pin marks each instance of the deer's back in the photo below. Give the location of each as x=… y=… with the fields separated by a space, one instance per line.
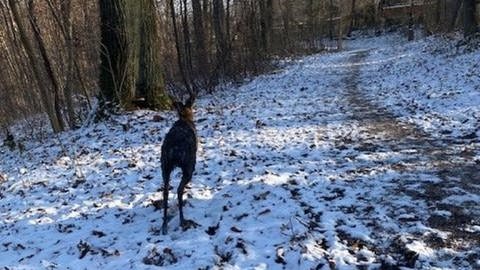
x=179 y=147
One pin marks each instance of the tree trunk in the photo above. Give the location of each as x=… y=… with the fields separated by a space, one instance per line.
x=187 y=43
x=66 y=7
x=220 y=39
x=45 y=94
x=151 y=85
x=228 y=34
x=454 y=15
x=65 y=25
x=199 y=35
x=57 y=99
x=116 y=77
x=411 y=34
x=264 y=31
x=353 y=15
x=269 y=22
x=310 y=15
x=438 y=8
x=19 y=64
x=330 y=26
x=181 y=63
x=469 y=21
x=287 y=19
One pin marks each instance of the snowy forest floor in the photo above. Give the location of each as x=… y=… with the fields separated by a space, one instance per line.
x=362 y=159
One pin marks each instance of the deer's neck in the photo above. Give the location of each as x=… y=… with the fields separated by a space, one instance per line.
x=189 y=121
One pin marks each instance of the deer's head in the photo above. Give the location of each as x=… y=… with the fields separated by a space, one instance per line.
x=185 y=110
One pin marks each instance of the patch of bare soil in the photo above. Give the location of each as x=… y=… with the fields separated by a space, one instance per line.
x=439 y=172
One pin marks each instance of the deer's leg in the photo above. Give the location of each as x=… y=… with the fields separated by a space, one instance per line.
x=186 y=178
x=166 y=185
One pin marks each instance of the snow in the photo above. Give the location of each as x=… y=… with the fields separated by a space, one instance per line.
x=430 y=82
x=352 y=160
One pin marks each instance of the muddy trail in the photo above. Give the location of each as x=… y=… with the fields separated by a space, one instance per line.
x=438 y=173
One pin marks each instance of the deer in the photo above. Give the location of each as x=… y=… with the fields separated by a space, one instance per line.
x=179 y=150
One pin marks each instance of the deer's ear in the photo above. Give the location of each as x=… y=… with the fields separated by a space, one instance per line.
x=178 y=106
x=190 y=101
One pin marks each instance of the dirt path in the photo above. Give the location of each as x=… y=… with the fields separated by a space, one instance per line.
x=439 y=173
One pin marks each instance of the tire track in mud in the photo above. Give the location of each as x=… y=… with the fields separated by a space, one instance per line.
x=438 y=173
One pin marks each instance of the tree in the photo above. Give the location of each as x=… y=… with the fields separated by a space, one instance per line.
x=38 y=67
x=220 y=34
x=287 y=23
x=353 y=15
x=201 y=56
x=438 y=12
x=469 y=22
x=454 y=15
x=116 y=82
x=67 y=30
x=130 y=61
x=266 y=23
x=47 y=64
x=330 y=26
x=411 y=33
x=150 y=85
x=181 y=63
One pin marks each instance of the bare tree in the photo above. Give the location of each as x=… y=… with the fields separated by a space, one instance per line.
x=454 y=15
x=37 y=67
x=201 y=57
x=131 y=54
x=151 y=84
x=353 y=16
x=67 y=29
x=266 y=23
x=47 y=64
x=469 y=21
x=180 y=57
x=220 y=34
x=411 y=33
x=115 y=85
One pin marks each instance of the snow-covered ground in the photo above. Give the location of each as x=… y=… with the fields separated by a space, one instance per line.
x=433 y=83
x=338 y=161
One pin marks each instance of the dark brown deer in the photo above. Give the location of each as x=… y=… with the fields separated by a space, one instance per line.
x=179 y=150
